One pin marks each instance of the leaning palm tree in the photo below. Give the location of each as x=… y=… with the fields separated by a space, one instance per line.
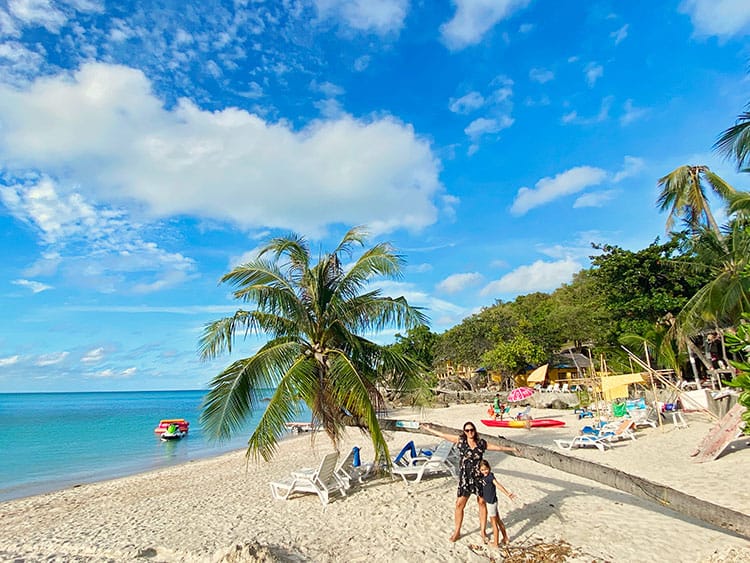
x=315 y=316
x=683 y=193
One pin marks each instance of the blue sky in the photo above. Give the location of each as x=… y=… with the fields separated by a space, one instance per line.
x=146 y=148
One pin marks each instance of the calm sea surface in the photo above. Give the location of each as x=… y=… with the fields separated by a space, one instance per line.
x=49 y=441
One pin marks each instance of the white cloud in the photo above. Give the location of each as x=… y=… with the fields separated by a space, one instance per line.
x=93 y=356
x=361 y=63
x=593 y=72
x=34 y=286
x=539 y=276
x=723 y=18
x=594 y=199
x=105 y=132
x=458 y=282
x=419 y=268
x=631 y=113
x=51 y=359
x=620 y=34
x=9 y=361
x=541 y=75
x=440 y=311
x=526 y=27
x=94 y=247
x=474 y=18
x=466 y=104
x=37 y=12
x=382 y=17
x=632 y=165
x=18 y=62
x=548 y=189
x=486 y=126
x=109 y=373
x=603 y=115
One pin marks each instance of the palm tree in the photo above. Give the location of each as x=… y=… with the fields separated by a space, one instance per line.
x=723 y=300
x=684 y=194
x=314 y=316
x=735 y=142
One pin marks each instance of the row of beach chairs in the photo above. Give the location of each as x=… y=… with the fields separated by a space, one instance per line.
x=331 y=477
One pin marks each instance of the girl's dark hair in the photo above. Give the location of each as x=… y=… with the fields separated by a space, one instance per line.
x=485 y=463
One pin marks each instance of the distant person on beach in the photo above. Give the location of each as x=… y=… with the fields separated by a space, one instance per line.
x=498 y=407
x=489 y=493
x=471 y=449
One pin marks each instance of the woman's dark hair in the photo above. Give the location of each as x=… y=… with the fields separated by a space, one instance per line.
x=474 y=426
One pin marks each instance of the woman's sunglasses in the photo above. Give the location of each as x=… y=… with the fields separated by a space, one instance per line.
x=470 y=429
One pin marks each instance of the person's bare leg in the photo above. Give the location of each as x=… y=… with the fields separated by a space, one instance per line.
x=459 y=515
x=482 y=515
x=496 y=531
x=500 y=525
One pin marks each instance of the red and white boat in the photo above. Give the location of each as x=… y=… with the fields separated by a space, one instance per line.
x=182 y=425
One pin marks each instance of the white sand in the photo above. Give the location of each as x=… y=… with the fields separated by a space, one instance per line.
x=199 y=511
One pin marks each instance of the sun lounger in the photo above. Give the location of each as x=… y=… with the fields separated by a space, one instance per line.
x=443 y=459
x=345 y=472
x=583 y=440
x=323 y=482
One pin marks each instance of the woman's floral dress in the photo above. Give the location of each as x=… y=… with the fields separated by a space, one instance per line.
x=469 y=478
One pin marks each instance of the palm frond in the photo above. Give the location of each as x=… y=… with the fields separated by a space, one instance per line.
x=234 y=392
x=297 y=383
x=735 y=141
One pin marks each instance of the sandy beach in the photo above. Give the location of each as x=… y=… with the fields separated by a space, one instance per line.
x=201 y=510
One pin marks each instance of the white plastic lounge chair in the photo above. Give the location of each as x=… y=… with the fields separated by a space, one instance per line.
x=323 y=482
x=644 y=417
x=582 y=441
x=345 y=472
x=564 y=388
x=442 y=460
x=525 y=414
x=623 y=431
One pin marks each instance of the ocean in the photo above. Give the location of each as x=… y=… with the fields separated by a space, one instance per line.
x=51 y=441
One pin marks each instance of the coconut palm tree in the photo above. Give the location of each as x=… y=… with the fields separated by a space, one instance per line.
x=315 y=316
x=726 y=297
x=735 y=142
x=683 y=193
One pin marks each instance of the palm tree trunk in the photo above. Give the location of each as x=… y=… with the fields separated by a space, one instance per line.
x=682 y=503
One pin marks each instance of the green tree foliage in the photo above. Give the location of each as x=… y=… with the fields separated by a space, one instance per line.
x=515 y=355
x=739 y=343
x=578 y=311
x=418 y=344
x=314 y=315
x=640 y=288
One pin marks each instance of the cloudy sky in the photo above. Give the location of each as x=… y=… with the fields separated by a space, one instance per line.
x=146 y=148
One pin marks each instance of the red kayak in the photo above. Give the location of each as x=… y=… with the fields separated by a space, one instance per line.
x=536 y=423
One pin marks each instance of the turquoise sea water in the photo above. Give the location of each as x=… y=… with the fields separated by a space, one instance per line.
x=49 y=441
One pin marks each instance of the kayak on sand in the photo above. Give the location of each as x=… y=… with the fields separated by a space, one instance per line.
x=535 y=423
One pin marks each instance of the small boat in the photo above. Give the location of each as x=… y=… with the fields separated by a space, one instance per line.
x=173 y=432
x=535 y=423
x=181 y=424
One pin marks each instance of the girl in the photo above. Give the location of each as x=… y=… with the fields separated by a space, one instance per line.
x=489 y=494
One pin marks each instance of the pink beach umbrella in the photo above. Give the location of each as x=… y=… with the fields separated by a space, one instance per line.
x=520 y=394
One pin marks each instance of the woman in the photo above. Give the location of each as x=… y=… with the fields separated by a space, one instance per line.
x=471 y=449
